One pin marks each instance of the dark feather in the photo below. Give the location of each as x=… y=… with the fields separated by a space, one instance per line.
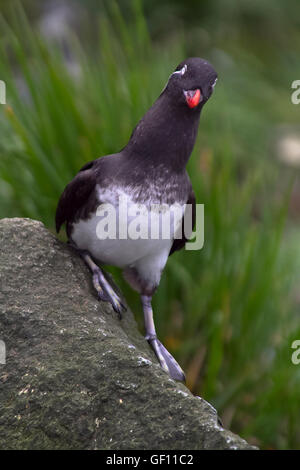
x=180 y=242
x=76 y=196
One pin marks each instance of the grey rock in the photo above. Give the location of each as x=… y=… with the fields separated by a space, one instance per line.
x=76 y=377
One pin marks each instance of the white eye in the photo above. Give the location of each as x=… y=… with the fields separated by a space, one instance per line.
x=181 y=71
x=214 y=84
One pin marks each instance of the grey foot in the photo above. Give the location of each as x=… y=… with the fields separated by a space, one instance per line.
x=106 y=293
x=167 y=361
x=103 y=288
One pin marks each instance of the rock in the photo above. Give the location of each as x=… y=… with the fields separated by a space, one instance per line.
x=76 y=377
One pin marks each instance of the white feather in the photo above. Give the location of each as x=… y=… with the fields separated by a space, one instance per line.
x=147 y=254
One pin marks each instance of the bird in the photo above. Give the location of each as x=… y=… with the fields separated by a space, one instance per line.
x=150 y=171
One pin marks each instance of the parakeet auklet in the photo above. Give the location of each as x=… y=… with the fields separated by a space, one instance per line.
x=148 y=173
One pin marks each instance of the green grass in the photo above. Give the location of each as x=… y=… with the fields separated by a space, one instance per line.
x=226 y=311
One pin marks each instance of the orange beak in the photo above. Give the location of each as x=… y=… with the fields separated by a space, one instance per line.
x=192 y=97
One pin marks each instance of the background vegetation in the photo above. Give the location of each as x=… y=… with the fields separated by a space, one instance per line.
x=229 y=313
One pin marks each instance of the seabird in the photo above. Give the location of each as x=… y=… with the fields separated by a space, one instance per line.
x=149 y=172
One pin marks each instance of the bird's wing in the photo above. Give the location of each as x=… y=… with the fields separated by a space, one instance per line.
x=75 y=195
x=179 y=243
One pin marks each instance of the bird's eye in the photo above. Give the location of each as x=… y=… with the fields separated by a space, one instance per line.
x=214 y=84
x=181 y=71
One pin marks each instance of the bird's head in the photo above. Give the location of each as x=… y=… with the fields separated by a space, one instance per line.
x=192 y=83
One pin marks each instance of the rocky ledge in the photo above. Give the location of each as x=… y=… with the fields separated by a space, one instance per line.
x=75 y=376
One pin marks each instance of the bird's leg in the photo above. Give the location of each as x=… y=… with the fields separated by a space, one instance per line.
x=166 y=360
x=104 y=290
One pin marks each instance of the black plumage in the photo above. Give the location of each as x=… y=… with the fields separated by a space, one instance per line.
x=150 y=169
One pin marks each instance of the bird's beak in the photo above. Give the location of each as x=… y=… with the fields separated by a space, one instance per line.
x=192 y=97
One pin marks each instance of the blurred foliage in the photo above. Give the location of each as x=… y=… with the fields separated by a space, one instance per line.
x=227 y=312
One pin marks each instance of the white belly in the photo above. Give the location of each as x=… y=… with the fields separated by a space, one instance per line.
x=124 y=233
x=117 y=252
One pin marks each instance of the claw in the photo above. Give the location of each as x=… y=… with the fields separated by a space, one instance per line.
x=103 y=288
x=114 y=299
x=117 y=304
x=106 y=293
x=166 y=360
x=100 y=292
